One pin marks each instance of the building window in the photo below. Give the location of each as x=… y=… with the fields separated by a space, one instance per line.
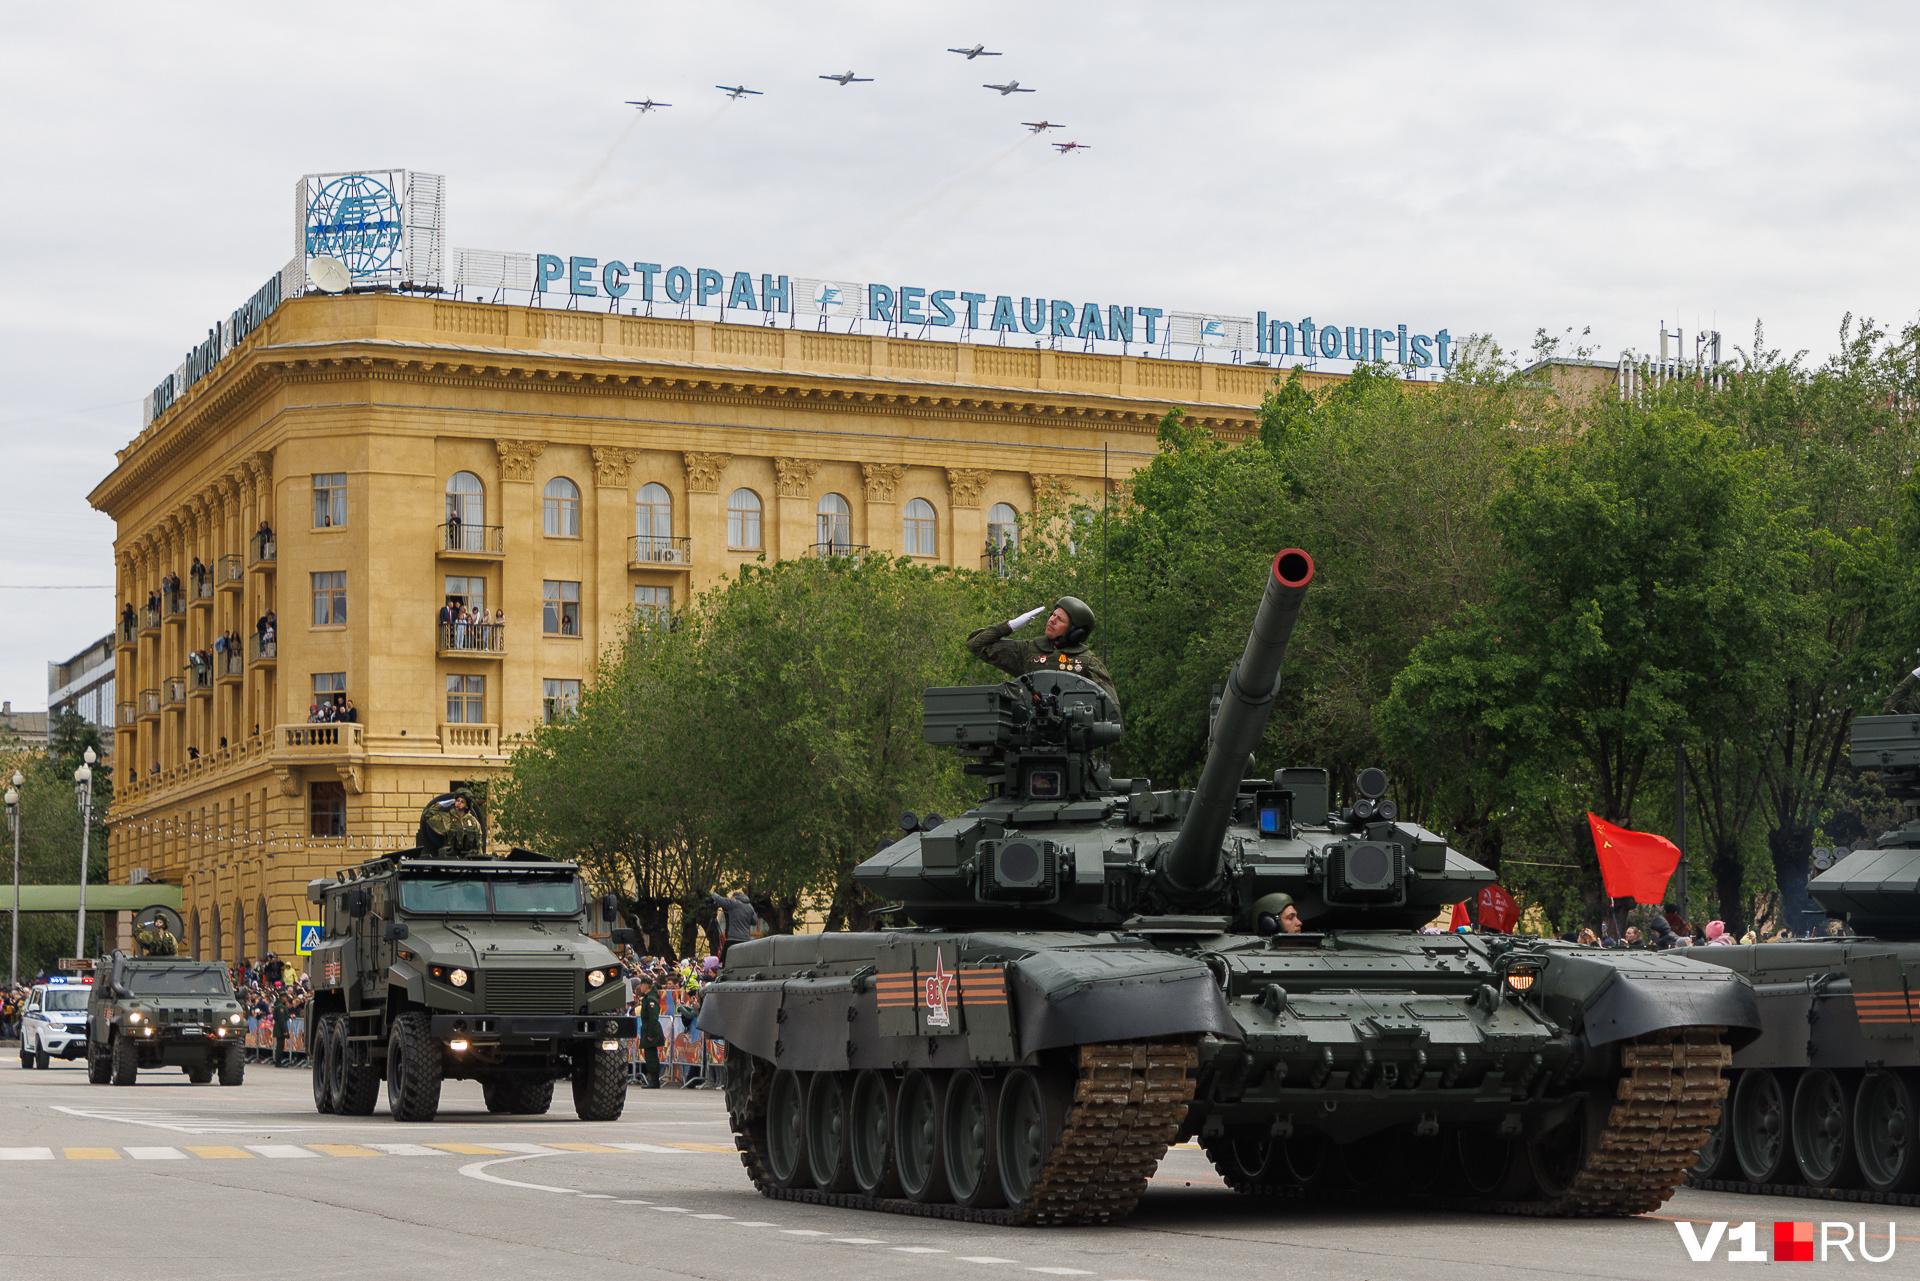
x=653 y=606
x=833 y=527
x=560 y=612
x=559 y=699
x=466 y=700
x=653 y=512
x=561 y=509
x=466 y=512
x=743 y=520
x=330 y=599
x=326 y=816
x=918 y=527
x=329 y=499
x=1003 y=527
x=469 y=590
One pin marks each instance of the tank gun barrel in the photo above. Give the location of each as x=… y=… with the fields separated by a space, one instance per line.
x=1253 y=685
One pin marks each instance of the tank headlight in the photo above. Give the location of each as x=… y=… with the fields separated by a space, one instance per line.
x=1364 y=807
x=459 y=978
x=1520 y=978
x=596 y=977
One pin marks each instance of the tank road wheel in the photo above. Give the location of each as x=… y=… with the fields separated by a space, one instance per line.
x=1491 y=1168
x=1027 y=1125
x=787 y=1129
x=99 y=1066
x=972 y=1144
x=599 y=1085
x=916 y=1137
x=1760 y=1127
x=125 y=1064
x=1716 y=1154
x=233 y=1066
x=1248 y=1161
x=320 y=1060
x=413 y=1069
x=870 y=1135
x=1556 y=1158
x=1822 y=1129
x=829 y=1159
x=1886 y=1131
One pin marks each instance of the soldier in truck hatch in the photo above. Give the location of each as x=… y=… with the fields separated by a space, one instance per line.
x=448 y=828
x=1062 y=649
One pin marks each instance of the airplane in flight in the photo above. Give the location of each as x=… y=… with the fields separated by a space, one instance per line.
x=1064 y=147
x=849 y=79
x=1040 y=126
x=1011 y=86
x=734 y=91
x=648 y=105
x=978 y=51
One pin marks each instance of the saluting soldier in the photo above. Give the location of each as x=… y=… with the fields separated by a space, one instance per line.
x=155 y=939
x=1062 y=649
x=1906 y=695
x=449 y=829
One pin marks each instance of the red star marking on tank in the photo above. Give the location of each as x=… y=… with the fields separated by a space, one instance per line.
x=939 y=983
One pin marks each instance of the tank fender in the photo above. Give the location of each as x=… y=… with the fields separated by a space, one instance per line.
x=1069 y=997
x=793 y=1023
x=1623 y=995
x=410 y=980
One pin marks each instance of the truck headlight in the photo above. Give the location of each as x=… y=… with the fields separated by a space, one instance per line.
x=135 y=1017
x=596 y=977
x=233 y=1018
x=458 y=978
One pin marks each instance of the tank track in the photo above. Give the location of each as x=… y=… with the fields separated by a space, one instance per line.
x=1668 y=1098
x=1128 y=1103
x=1865 y=1196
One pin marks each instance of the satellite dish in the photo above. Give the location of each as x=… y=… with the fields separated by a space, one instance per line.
x=329 y=275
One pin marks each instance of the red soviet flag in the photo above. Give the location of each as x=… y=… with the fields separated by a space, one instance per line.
x=1495 y=908
x=1634 y=865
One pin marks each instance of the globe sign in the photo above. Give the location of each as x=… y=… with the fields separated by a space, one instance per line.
x=357 y=220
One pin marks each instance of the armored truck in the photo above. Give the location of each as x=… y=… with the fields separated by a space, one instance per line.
x=472 y=969
x=163 y=1011
x=1827 y=1101
x=1092 y=968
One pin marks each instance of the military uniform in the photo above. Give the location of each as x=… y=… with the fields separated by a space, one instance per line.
x=1906 y=695
x=157 y=941
x=651 y=1035
x=446 y=832
x=1038 y=657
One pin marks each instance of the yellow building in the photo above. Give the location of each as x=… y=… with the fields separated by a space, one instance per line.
x=556 y=469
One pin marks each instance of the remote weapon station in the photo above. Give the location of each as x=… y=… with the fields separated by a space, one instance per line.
x=1096 y=969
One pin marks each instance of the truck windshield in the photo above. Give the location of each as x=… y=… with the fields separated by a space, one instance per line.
x=544 y=896
x=205 y=980
x=66 y=998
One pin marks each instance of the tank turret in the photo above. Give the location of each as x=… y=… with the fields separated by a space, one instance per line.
x=1876 y=889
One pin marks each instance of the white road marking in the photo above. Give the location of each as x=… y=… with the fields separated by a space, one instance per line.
x=181 y=1122
x=654 y=1148
x=26 y=1154
x=751 y=1223
x=857 y=1241
x=1063 y=1272
x=982 y=1258
x=407 y=1149
x=279 y=1151
x=478 y=1170
x=801 y=1232
x=918 y=1249
x=156 y=1154
x=531 y=1149
x=596 y=1196
x=617 y=1201
x=713 y=1216
x=670 y=1209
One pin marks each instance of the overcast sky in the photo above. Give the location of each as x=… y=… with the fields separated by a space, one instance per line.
x=1491 y=168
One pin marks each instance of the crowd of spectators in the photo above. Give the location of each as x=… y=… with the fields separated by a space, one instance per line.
x=469 y=627
x=678 y=985
x=339 y=708
x=267 y=629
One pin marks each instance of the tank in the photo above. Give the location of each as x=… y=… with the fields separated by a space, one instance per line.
x=1090 y=969
x=1826 y=1102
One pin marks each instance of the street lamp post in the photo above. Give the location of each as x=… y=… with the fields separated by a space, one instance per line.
x=83 y=792
x=13 y=822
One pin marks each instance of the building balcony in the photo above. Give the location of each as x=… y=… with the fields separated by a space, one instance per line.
x=149 y=704
x=125 y=715
x=173 y=606
x=472 y=640
x=455 y=541
x=827 y=551
x=176 y=691
x=650 y=551
x=262 y=551
x=200 y=682
x=331 y=739
x=229 y=574
x=127 y=634
x=149 y=618
x=997 y=560
x=262 y=651
x=229 y=667
x=469 y=740
x=200 y=595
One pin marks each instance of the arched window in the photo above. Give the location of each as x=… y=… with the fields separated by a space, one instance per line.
x=834 y=526
x=466 y=512
x=1003 y=527
x=918 y=527
x=743 y=520
x=239 y=930
x=560 y=508
x=214 y=917
x=653 y=512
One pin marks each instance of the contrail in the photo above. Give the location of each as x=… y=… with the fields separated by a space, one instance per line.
x=666 y=168
x=899 y=220
x=584 y=185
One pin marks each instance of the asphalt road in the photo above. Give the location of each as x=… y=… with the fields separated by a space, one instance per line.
x=165 y=1179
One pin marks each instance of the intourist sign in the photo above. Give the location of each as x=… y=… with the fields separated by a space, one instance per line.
x=917 y=306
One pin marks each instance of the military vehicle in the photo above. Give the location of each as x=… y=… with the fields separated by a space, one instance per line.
x=163 y=1011
x=1827 y=1101
x=1096 y=968
x=475 y=969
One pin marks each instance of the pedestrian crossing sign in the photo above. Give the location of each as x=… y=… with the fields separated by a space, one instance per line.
x=309 y=936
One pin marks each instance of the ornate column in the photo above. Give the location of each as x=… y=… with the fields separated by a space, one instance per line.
x=706 y=513
x=610 y=524
x=882 y=512
x=794 y=526
x=966 y=535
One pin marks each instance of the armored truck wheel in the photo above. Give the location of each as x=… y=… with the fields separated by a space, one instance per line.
x=1760 y=1139
x=233 y=1066
x=1822 y=1129
x=320 y=1053
x=1886 y=1131
x=870 y=1135
x=99 y=1066
x=599 y=1084
x=829 y=1158
x=356 y=1085
x=413 y=1069
x=518 y=1098
x=125 y=1061
x=916 y=1136
x=972 y=1150
x=200 y=1075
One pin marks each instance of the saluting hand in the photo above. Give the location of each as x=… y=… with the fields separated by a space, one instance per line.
x=1017 y=623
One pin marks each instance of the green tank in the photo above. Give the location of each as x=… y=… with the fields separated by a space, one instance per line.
x=1095 y=969
x=1827 y=1101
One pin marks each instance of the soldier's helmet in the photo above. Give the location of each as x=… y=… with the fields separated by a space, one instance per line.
x=1267 y=910
x=1080 y=619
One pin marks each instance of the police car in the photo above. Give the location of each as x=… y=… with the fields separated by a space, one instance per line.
x=54 y=1024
